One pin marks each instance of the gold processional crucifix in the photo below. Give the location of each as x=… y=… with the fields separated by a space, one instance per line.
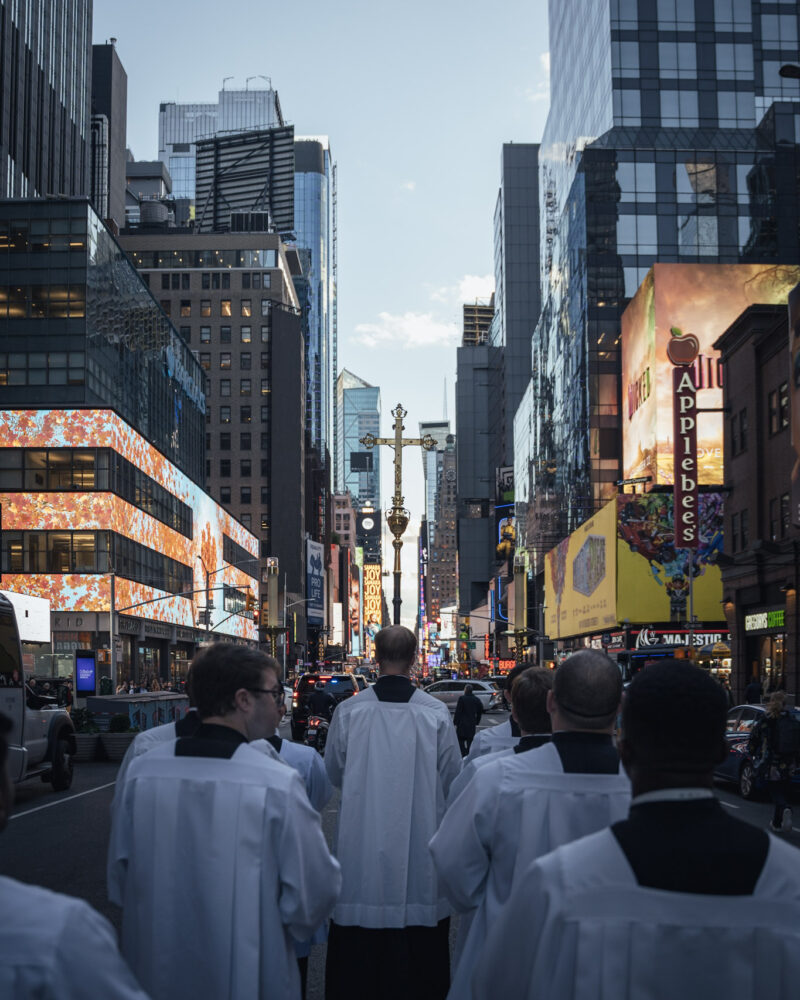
x=397 y=516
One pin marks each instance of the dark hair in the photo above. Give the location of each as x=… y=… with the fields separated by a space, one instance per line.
x=673 y=717
x=468 y=689
x=513 y=674
x=5 y=727
x=395 y=644
x=219 y=670
x=587 y=687
x=529 y=698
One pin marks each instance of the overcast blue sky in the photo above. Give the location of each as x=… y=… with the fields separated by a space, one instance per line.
x=417 y=99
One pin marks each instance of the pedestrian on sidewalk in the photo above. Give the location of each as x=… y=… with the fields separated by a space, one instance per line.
x=467 y=716
x=775 y=743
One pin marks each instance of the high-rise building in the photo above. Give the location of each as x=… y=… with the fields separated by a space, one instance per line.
x=109 y=128
x=670 y=137
x=439 y=466
x=476 y=322
x=181 y=125
x=45 y=54
x=359 y=412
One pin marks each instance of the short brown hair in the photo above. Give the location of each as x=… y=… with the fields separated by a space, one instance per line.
x=395 y=644
x=529 y=699
x=219 y=670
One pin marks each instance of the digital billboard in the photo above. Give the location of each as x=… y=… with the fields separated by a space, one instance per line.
x=372 y=598
x=315 y=583
x=698 y=299
x=103 y=511
x=580 y=578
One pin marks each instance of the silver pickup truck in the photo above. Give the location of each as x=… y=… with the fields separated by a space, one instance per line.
x=42 y=737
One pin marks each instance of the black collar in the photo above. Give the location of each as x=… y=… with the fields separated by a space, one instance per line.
x=393 y=687
x=276 y=742
x=532 y=742
x=210 y=740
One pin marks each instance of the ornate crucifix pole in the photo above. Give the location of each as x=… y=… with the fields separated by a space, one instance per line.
x=397 y=516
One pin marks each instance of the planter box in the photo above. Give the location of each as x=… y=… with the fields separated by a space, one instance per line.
x=85 y=747
x=115 y=744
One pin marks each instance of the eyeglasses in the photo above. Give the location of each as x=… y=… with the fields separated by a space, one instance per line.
x=277 y=693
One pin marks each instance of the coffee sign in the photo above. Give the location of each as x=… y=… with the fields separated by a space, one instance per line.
x=682 y=351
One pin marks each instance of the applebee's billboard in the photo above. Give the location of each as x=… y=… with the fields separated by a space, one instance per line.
x=703 y=299
x=682 y=350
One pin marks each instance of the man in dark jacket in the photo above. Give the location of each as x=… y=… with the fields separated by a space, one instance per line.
x=321 y=703
x=468 y=713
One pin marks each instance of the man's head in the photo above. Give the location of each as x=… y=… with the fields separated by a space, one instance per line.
x=586 y=691
x=395 y=649
x=673 y=727
x=511 y=676
x=319 y=686
x=238 y=687
x=529 y=700
x=468 y=689
x=6 y=786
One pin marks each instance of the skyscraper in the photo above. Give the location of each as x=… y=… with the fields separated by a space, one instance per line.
x=109 y=128
x=359 y=413
x=45 y=53
x=669 y=138
x=439 y=466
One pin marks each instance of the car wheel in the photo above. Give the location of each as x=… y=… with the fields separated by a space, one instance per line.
x=62 y=767
x=747 y=781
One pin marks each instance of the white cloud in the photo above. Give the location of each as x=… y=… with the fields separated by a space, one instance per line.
x=409 y=330
x=541 y=90
x=466 y=289
x=409 y=186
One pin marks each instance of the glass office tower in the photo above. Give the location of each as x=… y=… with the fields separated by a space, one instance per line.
x=670 y=137
x=359 y=413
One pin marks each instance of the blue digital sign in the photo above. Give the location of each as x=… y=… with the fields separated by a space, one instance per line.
x=85 y=672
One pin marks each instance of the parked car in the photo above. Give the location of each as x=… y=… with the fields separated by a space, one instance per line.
x=450 y=691
x=341 y=686
x=738 y=766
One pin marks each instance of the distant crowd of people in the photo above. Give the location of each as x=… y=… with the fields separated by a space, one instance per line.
x=580 y=842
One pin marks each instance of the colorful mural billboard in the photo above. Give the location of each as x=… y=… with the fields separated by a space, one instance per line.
x=107 y=512
x=580 y=578
x=699 y=299
x=623 y=564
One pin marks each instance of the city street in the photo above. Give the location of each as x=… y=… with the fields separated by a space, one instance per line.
x=60 y=840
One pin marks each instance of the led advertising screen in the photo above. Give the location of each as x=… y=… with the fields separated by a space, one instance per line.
x=580 y=578
x=695 y=299
x=372 y=598
x=104 y=511
x=85 y=673
x=315 y=583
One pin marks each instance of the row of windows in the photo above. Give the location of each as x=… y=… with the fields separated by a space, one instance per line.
x=43 y=301
x=234 y=601
x=245 y=415
x=211 y=280
x=238 y=556
x=43 y=368
x=779 y=517
x=93 y=552
x=245 y=464
x=225 y=360
x=224 y=337
x=152 y=260
x=90 y=469
x=225 y=307
x=245 y=442
x=778 y=408
x=245 y=387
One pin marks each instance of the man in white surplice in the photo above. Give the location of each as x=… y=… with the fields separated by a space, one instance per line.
x=504 y=735
x=520 y=806
x=216 y=856
x=392 y=750
x=679 y=900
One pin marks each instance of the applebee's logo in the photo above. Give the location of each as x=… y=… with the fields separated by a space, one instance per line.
x=683 y=348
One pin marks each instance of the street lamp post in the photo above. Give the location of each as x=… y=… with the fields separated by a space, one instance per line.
x=520 y=606
x=397 y=516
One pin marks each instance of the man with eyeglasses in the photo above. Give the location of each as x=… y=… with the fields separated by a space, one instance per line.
x=216 y=852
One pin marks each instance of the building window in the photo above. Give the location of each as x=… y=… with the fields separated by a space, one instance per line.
x=205 y=361
x=186 y=334
x=246 y=308
x=256 y=279
x=245 y=280
x=225 y=359
x=205 y=334
x=265 y=442
x=244 y=361
x=745 y=535
x=164 y=282
x=205 y=307
x=245 y=494
x=225 y=307
x=208 y=414
x=264 y=334
x=246 y=414
x=226 y=280
x=245 y=387
x=245 y=468
x=265 y=467
x=245 y=440
x=772 y=412
x=245 y=332
x=247 y=520
x=265 y=495
x=224 y=494
x=205 y=281
x=225 y=468
x=225 y=387
x=166 y=305
x=264 y=386
x=783 y=405
x=186 y=308
x=264 y=414
x=176 y=281
x=784 y=515
x=224 y=335
x=773 y=519
x=265 y=524
x=265 y=359
x=266 y=306
x=224 y=414
x=225 y=441
x=185 y=283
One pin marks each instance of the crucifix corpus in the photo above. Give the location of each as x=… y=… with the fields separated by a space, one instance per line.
x=397 y=516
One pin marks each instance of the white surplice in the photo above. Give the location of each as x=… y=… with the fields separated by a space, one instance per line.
x=54 y=947
x=577 y=926
x=394 y=762
x=309 y=765
x=516 y=808
x=218 y=864
x=491 y=739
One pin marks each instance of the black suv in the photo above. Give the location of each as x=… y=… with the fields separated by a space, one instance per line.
x=341 y=686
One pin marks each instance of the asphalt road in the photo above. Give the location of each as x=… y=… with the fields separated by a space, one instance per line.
x=60 y=840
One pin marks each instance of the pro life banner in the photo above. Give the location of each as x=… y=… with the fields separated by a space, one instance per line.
x=685 y=448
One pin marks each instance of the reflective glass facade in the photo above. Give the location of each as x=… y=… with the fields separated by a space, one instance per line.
x=82 y=329
x=679 y=145
x=359 y=413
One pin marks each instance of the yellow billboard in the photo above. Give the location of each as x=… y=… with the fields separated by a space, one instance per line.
x=696 y=299
x=580 y=578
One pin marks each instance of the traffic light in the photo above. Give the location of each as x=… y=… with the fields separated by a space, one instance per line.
x=256 y=616
x=249 y=603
